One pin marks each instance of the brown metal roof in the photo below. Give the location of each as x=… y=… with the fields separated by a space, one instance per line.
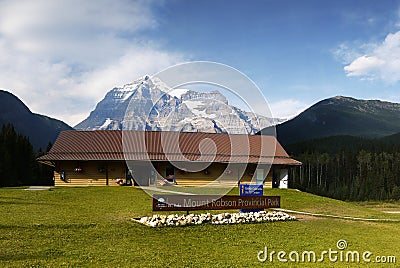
x=166 y=145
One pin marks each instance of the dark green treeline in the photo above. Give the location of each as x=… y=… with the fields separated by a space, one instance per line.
x=348 y=168
x=18 y=165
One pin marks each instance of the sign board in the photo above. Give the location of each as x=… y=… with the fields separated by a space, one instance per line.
x=212 y=202
x=251 y=190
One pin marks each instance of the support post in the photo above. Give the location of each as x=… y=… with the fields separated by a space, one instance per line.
x=106 y=167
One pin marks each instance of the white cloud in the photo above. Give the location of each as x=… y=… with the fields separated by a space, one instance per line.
x=61 y=57
x=287 y=108
x=381 y=61
x=364 y=66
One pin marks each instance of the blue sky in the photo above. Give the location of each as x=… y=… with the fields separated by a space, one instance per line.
x=298 y=52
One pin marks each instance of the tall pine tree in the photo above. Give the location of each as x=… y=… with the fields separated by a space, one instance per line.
x=18 y=164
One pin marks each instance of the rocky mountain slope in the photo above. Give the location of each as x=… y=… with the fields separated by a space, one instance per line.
x=149 y=104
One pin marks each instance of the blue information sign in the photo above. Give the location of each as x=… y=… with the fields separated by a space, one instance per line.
x=251 y=190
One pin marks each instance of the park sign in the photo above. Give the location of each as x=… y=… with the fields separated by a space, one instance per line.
x=251 y=190
x=168 y=202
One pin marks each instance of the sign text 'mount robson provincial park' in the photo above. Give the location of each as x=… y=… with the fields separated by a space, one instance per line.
x=168 y=202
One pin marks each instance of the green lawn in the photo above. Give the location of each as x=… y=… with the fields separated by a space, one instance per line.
x=92 y=227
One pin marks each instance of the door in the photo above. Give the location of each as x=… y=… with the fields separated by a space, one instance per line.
x=275 y=178
x=259 y=176
x=170 y=173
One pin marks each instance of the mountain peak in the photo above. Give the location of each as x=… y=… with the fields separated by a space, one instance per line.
x=39 y=128
x=342 y=116
x=367 y=106
x=148 y=103
x=11 y=103
x=352 y=99
x=213 y=95
x=339 y=97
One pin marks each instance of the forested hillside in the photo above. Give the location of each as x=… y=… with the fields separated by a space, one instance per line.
x=341 y=116
x=348 y=168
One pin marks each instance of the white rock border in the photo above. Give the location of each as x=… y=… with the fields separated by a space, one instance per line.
x=158 y=220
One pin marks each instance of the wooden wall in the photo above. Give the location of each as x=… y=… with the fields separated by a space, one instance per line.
x=94 y=173
x=227 y=176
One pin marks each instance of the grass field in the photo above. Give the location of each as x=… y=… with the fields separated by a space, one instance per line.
x=91 y=226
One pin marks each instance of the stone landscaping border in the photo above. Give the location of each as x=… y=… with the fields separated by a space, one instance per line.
x=208 y=218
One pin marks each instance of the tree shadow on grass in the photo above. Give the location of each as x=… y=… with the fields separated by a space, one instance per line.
x=26 y=256
x=74 y=226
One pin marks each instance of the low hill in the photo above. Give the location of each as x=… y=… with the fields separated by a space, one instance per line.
x=341 y=116
x=39 y=129
x=392 y=139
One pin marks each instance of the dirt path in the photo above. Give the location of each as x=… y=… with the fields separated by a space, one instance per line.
x=334 y=216
x=392 y=212
x=155 y=189
x=37 y=188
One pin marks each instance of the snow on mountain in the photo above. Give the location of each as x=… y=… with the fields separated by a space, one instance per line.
x=178 y=92
x=106 y=123
x=149 y=104
x=198 y=107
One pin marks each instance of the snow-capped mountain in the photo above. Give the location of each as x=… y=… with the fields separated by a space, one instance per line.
x=149 y=104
